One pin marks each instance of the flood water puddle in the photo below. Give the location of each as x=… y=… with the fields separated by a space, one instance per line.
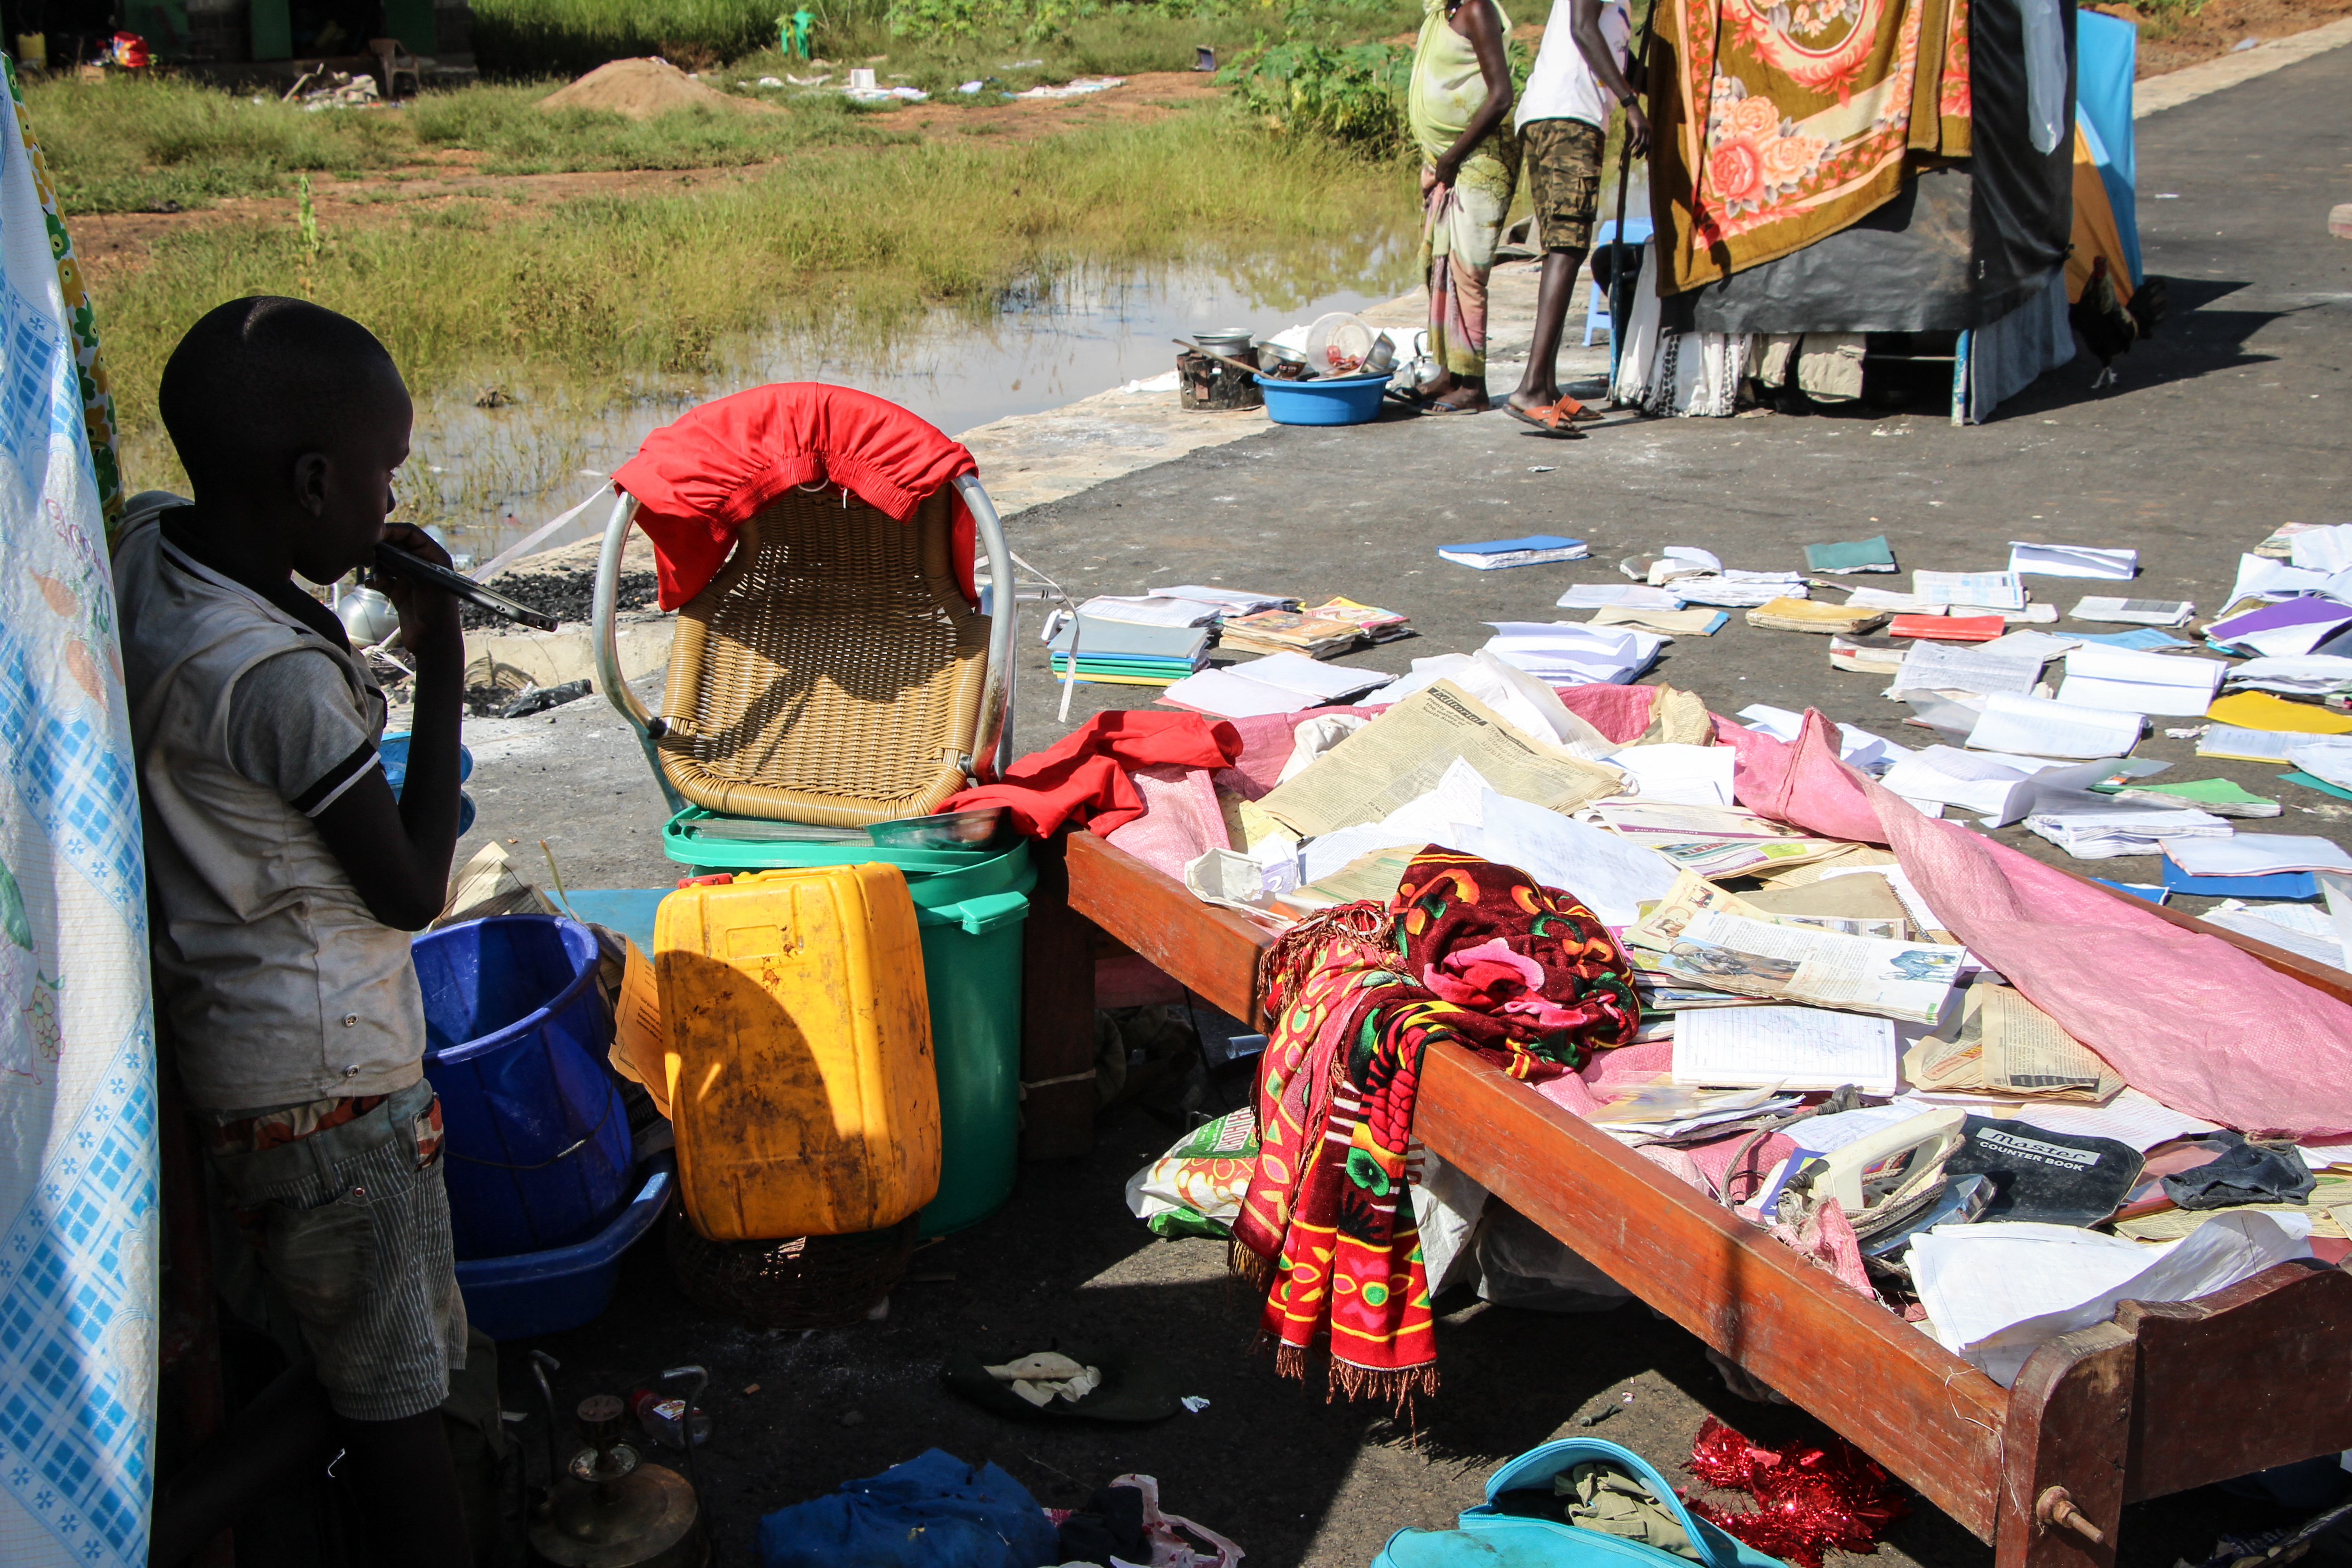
x=484 y=478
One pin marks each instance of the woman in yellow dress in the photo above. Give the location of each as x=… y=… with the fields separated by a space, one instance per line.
x=1460 y=110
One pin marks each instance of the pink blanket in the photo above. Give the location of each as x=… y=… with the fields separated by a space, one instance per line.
x=2189 y=1018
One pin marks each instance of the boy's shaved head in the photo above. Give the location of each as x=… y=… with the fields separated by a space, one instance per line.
x=260 y=381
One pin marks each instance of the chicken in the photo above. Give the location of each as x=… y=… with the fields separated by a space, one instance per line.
x=2107 y=325
x=2106 y=328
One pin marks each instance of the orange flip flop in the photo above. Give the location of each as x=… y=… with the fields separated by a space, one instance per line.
x=1553 y=418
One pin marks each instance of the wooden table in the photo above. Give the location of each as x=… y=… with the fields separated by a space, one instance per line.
x=2165 y=1397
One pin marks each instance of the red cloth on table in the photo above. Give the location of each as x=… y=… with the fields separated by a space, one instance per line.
x=1083 y=776
x=701 y=477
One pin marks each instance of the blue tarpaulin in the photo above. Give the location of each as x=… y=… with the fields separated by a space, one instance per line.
x=2106 y=51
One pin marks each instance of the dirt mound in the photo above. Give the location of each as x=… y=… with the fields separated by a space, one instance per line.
x=642 y=88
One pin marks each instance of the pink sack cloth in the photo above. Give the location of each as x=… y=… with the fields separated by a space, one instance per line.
x=1618 y=713
x=2200 y=1024
x=1180 y=821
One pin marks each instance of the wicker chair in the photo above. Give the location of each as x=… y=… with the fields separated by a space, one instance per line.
x=832 y=673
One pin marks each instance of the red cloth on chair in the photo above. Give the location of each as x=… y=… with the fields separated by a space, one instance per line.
x=1083 y=776
x=698 y=478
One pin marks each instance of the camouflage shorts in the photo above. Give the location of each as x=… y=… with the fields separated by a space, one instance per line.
x=1562 y=158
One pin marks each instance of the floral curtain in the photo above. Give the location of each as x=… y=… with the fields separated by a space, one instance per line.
x=1779 y=121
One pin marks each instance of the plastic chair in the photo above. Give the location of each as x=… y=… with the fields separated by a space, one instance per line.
x=391 y=64
x=1596 y=309
x=832 y=673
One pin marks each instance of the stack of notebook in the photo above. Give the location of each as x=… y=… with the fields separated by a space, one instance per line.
x=1124 y=653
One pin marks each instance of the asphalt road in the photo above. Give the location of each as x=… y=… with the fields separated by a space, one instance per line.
x=2230 y=422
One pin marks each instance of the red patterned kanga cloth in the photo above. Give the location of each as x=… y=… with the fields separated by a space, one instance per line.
x=1468 y=951
x=1777 y=123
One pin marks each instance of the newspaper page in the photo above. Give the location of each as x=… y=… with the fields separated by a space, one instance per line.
x=2003 y=1044
x=1789 y=963
x=1714 y=840
x=1401 y=756
x=1664 y=922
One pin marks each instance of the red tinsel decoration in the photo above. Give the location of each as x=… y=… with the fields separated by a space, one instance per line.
x=1810 y=1496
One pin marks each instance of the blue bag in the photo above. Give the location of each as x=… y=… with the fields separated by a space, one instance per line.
x=1488 y=1539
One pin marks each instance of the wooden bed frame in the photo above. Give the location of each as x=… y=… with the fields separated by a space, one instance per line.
x=2165 y=1397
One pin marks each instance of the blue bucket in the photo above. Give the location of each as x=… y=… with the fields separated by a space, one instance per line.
x=1335 y=400
x=535 y=1293
x=536 y=1144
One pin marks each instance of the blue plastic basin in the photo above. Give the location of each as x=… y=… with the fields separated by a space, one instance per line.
x=547 y=1292
x=1336 y=400
x=537 y=1146
x=393 y=753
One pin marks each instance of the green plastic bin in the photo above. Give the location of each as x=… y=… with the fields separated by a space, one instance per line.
x=971 y=905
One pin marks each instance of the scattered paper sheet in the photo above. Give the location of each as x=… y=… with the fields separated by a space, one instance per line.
x=1794 y=963
x=1950 y=777
x=1712 y=841
x=2138 y=612
x=1151 y=610
x=2092 y=833
x=2040 y=727
x=2257 y=854
x=2311 y=675
x=1236 y=696
x=1564 y=653
x=1632 y=595
x=2300 y=928
x=2246 y=745
x=1784 y=1047
x=1296 y=672
x=2134 y=1118
x=1995 y=590
x=2003 y=1044
x=1232 y=601
x=1828 y=1134
x=2273 y=579
x=1404 y=752
x=2043 y=646
x=1608 y=875
x=2327 y=547
x=1997 y=1291
x=1982 y=670
x=1694 y=776
x=2072 y=561
x=2121 y=681
x=1857 y=746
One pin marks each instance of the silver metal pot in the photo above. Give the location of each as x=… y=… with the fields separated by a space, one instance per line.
x=1234 y=342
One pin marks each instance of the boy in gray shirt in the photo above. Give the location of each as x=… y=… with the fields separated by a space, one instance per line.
x=285 y=878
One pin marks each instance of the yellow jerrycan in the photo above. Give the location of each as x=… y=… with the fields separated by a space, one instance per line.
x=798 y=1046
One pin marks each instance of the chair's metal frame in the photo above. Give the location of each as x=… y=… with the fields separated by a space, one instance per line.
x=991 y=751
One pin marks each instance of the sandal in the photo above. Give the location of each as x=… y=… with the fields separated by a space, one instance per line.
x=1439 y=405
x=1558 y=420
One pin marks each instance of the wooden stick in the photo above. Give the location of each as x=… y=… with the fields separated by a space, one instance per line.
x=1230 y=364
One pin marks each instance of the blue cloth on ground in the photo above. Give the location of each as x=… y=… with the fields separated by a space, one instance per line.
x=933 y=1512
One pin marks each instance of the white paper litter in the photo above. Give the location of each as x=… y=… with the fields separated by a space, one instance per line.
x=1995 y=1292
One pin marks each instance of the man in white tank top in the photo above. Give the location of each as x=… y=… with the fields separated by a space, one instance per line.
x=1578 y=74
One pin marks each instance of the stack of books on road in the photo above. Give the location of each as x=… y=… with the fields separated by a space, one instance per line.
x=1128 y=653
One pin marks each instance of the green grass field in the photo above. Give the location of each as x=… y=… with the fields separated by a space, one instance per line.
x=132 y=146
x=956 y=39
x=598 y=290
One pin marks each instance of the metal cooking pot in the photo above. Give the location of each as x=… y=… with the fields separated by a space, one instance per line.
x=1234 y=342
